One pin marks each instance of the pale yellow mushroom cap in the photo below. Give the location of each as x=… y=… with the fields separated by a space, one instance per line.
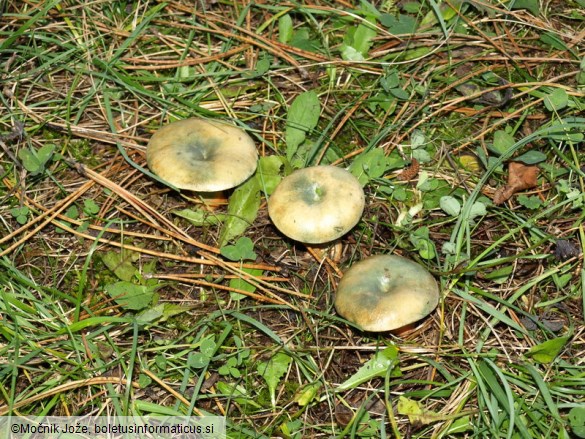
x=202 y=155
x=317 y=204
x=386 y=292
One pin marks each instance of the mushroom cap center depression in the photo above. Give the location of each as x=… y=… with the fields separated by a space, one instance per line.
x=200 y=154
x=198 y=150
x=311 y=192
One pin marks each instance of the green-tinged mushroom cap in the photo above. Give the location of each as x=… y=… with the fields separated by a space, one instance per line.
x=316 y=205
x=202 y=155
x=386 y=292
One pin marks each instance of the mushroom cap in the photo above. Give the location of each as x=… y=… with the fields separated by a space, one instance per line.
x=202 y=155
x=317 y=204
x=386 y=292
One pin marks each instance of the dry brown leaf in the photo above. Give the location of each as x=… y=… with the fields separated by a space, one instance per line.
x=520 y=177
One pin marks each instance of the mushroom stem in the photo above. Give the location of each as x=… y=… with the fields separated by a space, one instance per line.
x=212 y=200
x=330 y=253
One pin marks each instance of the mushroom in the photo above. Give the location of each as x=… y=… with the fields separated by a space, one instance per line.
x=202 y=155
x=386 y=292
x=317 y=204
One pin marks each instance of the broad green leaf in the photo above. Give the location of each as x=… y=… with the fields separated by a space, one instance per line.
x=556 y=100
x=400 y=194
x=502 y=142
x=73 y=213
x=421 y=155
x=200 y=217
x=285 y=29
x=416 y=412
x=477 y=209
x=241 y=250
x=242 y=284
x=398 y=25
x=547 y=351
x=272 y=371
x=268 y=173
x=553 y=41
x=409 y=407
x=200 y=359
x=303 y=40
x=45 y=153
x=349 y=53
x=412 y=7
x=303 y=116
x=460 y=425
x=532 y=202
x=422 y=243
x=423 y=182
x=208 y=346
x=450 y=205
x=418 y=139
x=369 y=165
x=362 y=38
x=390 y=80
x=531 y=157
x=307 y=394
x=34 y=161
x=121 y=263
x=130 y=296
x=197 y=360
x=577 y=420
x=236 y=393
x=292 y=429
x=384 y=100
x=227 y=370
x=144 y=381
x=399 y=93
x=90 y=206
x=560 y=282
x=369 y=10
x=161 y=313
x=377 y=366
x=572 y=193
x=242 y=211
x=20 y=214
x=262 y=66
x=30 y=161
x=235 y=372
x=441 y=13
x=531 y=5
x=448 y=248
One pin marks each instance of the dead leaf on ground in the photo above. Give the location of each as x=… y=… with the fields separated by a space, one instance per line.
x=520 y=177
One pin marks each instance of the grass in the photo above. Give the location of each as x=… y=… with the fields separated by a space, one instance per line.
x=448 y=96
